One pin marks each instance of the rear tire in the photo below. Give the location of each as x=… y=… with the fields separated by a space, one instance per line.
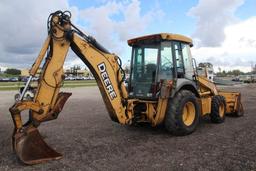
x=182 y=114
x=218 y=109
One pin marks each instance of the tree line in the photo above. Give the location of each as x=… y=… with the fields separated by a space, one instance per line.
x=235 y=72
x=12 y=71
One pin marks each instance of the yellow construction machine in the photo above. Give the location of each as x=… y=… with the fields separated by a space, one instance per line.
x=163 y=88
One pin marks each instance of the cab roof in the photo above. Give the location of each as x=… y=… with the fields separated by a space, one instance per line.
x=159 y=37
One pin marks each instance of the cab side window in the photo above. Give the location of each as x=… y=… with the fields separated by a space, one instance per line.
x=187 y=59
x=166 y=62
x=179 y=60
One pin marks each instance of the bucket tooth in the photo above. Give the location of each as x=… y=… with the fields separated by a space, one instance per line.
x=31 y=148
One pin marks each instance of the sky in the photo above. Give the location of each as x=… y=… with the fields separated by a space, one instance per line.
x=223 y=31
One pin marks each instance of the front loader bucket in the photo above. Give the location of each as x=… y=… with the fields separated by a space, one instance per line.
x=31 y=148
x=234 y=105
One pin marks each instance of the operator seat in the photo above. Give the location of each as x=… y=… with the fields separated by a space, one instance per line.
x=150 y=73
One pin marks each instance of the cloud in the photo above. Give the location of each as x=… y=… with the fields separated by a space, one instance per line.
x=223 y=39
x=23 y=29
x=237 y=51
x=115 y=22
x=212 y=17
x=111 y=23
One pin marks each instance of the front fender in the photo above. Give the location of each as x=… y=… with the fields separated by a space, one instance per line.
x=186 y=84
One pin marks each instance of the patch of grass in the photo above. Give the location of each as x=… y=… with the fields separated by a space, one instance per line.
x=79 y=85
x=11 y=83
x=65 y=82
x=5 y=86
x=8 y=88
x=79 y=81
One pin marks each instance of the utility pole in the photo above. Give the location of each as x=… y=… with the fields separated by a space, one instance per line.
x=252 y=68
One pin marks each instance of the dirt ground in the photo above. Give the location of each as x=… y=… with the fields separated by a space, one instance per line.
x=89 y=140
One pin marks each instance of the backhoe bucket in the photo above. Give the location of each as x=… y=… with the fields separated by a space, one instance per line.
x=31 y=148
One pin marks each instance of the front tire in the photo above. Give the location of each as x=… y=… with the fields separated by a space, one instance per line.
x=218 y=109
x=182 y=114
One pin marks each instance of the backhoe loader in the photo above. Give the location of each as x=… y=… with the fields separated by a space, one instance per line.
x=163 y=88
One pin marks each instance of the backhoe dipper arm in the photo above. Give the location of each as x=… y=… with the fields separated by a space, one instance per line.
x=105 y=68
x=49 y=101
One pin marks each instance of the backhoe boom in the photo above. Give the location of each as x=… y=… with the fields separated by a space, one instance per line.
x=49 y=101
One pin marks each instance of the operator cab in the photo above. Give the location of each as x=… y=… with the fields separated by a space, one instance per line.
x=156 y=58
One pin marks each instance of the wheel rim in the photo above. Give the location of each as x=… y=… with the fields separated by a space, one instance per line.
x=221 y=110
x=189 y=113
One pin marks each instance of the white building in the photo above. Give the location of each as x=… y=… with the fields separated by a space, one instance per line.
x=205 y=70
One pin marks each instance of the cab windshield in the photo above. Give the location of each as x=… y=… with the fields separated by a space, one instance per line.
x=150 y=64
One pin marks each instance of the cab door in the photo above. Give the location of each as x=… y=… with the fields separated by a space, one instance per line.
x=182 y=55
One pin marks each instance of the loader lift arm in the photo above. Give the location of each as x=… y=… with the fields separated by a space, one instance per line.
x=49 y=101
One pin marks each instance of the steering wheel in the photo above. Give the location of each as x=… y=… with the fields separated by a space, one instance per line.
x=167 y=66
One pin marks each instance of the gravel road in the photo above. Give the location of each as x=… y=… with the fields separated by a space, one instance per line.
x=89 y=140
